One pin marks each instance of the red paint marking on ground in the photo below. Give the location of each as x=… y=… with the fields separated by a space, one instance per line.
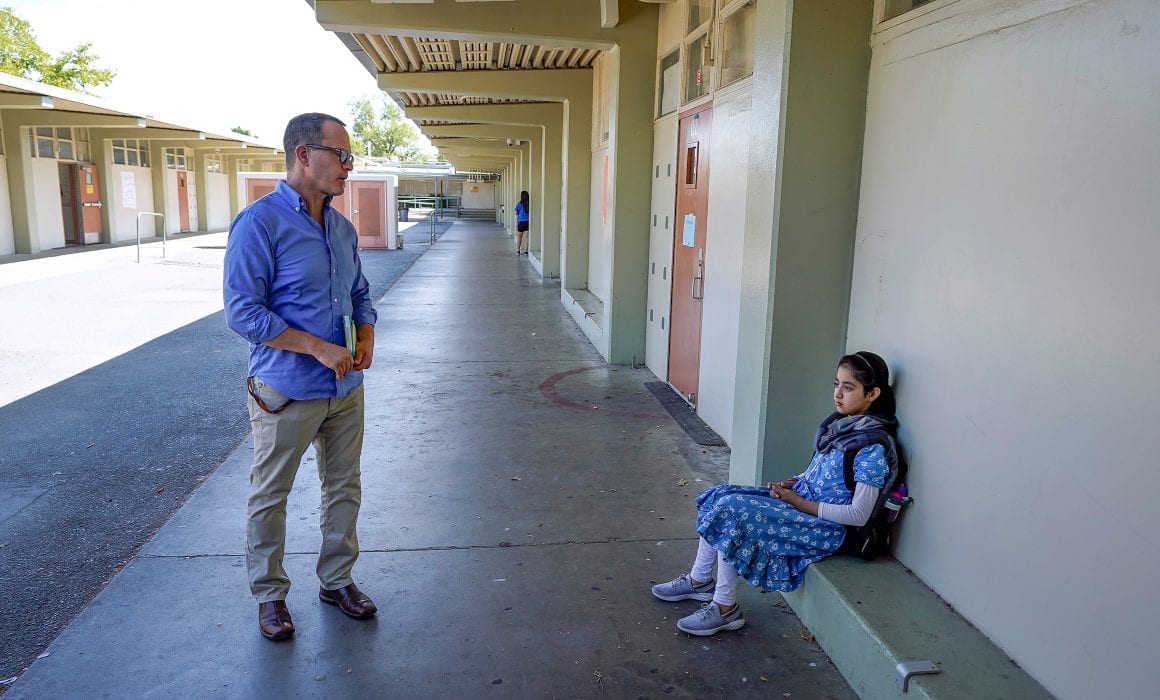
x=548 y=389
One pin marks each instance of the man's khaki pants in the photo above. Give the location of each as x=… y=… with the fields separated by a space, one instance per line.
x=335 y=426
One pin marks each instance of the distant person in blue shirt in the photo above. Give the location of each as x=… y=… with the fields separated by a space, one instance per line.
x=523 y=214
x=293 y=285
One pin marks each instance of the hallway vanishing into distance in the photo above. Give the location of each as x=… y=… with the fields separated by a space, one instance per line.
x=520 y=497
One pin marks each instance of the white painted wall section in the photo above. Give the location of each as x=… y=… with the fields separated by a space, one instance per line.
x=482 y=198
x=217 y=201
x=600 y=228
x=7 y=233
x=1006 y=266
x=49 y=214
x=124 y=218
x=660 y=255
x=728 y=169
x=173 y=217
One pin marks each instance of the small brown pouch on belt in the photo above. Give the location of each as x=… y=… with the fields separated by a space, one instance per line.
x=262 y=404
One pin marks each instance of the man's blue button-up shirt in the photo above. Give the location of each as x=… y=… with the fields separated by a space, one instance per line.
x=284 y=270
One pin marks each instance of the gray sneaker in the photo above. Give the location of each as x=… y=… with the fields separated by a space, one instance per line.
x=708 y=621
x=682 y=588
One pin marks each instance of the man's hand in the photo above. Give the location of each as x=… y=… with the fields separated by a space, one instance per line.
x=336 y=357
x=365 y=348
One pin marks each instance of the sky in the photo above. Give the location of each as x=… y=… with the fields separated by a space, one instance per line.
x=208 y=64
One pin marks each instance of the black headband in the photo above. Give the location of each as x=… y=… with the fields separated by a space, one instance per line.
x=869 y=366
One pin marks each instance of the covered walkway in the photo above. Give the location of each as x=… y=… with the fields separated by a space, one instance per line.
x=519 y=498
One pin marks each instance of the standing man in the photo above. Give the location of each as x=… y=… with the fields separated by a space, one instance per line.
x=293 y=285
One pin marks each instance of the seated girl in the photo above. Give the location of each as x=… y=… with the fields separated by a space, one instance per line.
x=768 y=536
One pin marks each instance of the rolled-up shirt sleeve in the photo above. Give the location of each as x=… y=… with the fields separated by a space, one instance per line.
x=248 y=277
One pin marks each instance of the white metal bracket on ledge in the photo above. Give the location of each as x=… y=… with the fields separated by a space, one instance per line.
x=906 y=669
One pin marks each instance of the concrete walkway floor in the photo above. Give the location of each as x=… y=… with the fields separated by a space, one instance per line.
x=520 y=497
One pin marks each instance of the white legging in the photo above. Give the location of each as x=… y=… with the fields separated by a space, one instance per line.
x=726 y=592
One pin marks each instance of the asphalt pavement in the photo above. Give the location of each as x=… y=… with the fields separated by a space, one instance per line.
x=112 y=416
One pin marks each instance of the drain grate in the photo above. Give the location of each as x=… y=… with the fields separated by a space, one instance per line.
x=683 y=414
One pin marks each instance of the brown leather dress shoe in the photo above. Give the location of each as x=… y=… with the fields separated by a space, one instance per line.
x=350 y=600
x=274 y=620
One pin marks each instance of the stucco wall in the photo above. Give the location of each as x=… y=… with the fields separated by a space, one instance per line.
x=217 y=200
x=600 y=229
x=7 y=237
x=49 y=215
x=660 y=278
x=125 y=219
x=483 y=199
x=728 y=168
x=1006 y=266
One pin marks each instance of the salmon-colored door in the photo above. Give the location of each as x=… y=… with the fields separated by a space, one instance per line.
x=256 y=188
x=183 y=199
x=689 y=235
x=70 y=203
x=368 y=213
x=90 y=198
x=341 y=203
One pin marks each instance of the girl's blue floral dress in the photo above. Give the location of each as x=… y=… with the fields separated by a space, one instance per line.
x=769 y=542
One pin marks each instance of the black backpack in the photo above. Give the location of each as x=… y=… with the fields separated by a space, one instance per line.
x=874 y=538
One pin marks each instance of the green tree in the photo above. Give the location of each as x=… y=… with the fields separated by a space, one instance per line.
x=243 y=131
x=385 y=132
x=20 y=54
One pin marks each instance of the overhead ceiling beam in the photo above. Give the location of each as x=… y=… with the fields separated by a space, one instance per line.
x=147 y=133
x=565 y=25
x=32 y=117
x=11 y=100
x=556 y=85
x=517 y=114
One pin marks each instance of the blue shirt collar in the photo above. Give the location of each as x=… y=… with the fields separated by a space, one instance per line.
x=295 y=200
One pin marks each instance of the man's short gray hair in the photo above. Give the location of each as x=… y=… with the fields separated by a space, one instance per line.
x=305 y=128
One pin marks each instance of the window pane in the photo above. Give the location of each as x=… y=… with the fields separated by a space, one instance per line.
x=66 y=151
x=44 y=131
x=144 y=158
x=737 y=44
x=169 y=159
x=699 y=13
x=696 y=77
x=44 y=148
x=132 y=157
x=897 y=7
x=669 y=91
x=118 y=143
x=64 y=133
x=119 y=156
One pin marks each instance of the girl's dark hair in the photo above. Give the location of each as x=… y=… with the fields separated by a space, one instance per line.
x=524 y=198
x=871 y=371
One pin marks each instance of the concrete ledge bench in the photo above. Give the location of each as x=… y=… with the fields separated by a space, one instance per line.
x=869 y=616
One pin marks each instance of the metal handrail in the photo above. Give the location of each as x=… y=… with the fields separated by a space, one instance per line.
x=150 y=213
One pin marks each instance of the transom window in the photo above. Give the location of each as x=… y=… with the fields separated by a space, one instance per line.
x=131 y=152
x=175 y=159
x=61 y=143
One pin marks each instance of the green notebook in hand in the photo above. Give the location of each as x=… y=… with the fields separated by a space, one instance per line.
x=351 y=334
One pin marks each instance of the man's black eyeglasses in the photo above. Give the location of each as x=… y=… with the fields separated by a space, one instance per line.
x=344 y=156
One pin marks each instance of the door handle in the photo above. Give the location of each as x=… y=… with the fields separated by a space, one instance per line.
x=354 y=211
x=698 y=287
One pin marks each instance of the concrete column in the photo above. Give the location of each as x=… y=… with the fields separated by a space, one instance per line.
x=812 y=62
x=633 y=63
x=159 y=173
x=21 y=186
x=231 y=163
x=202 y=171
